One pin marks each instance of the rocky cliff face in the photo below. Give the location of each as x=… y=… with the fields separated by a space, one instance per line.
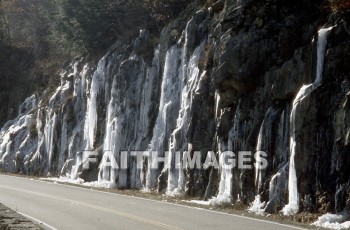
x=268 y=76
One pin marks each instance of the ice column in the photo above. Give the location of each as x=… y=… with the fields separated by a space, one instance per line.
x=293 y=206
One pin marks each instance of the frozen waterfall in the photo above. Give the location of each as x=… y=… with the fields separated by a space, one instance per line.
x=293 y=206
x=169 y=103
x=178 y=141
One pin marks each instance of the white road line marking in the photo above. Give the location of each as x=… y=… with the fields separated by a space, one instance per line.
x=38 y=221
x=169 y=203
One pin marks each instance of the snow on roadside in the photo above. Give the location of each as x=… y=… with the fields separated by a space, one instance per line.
x=257 y=206
x=333 y=221
x=200 y=202
x=215 y=201
x=79 y=181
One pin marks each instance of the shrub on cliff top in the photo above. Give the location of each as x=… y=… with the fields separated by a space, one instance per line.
x=339 y=5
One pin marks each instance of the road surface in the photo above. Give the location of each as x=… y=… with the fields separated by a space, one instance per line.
x=68 y=207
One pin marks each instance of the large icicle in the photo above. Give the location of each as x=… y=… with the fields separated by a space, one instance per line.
x=279 y=181
x=225 y=195
x=264 y=142
x=264 y=145
x=321 y=48
x=128 y=121
x=97 y=83
x=178 y=141
x=77 y=136
x=169 y=101
x=106 y=174
x=293 y=206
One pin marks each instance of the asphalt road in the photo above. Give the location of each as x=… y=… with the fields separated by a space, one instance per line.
x=68 y=207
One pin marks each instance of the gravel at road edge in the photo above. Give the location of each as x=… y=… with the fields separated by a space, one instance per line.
x=11 y=220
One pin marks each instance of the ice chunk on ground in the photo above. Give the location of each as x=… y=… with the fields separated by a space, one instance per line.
x=257 y=206
x=333 y=221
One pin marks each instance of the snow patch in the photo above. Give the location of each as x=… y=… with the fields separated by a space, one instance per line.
x=79 y=181
x=220 y=200
x=333 y=221
x=200 y=202
x=257 y=206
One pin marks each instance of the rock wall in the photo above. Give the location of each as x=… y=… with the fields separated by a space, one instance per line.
x=237 y=76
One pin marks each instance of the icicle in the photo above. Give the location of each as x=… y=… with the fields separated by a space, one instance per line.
x=225 y=186
x=49 y=138
x=106 y=173
x=178 y=141
x=170 y=92
x=321 y=48
x=293 y=206
x=226 y=175
x=77 y=136
x=264 y=142
x=91 y=115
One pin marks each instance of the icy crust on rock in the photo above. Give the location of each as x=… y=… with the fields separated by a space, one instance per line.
x=42 y=128
x=16 y=142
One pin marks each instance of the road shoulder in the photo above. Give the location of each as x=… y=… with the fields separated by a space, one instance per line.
x=10 y=219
